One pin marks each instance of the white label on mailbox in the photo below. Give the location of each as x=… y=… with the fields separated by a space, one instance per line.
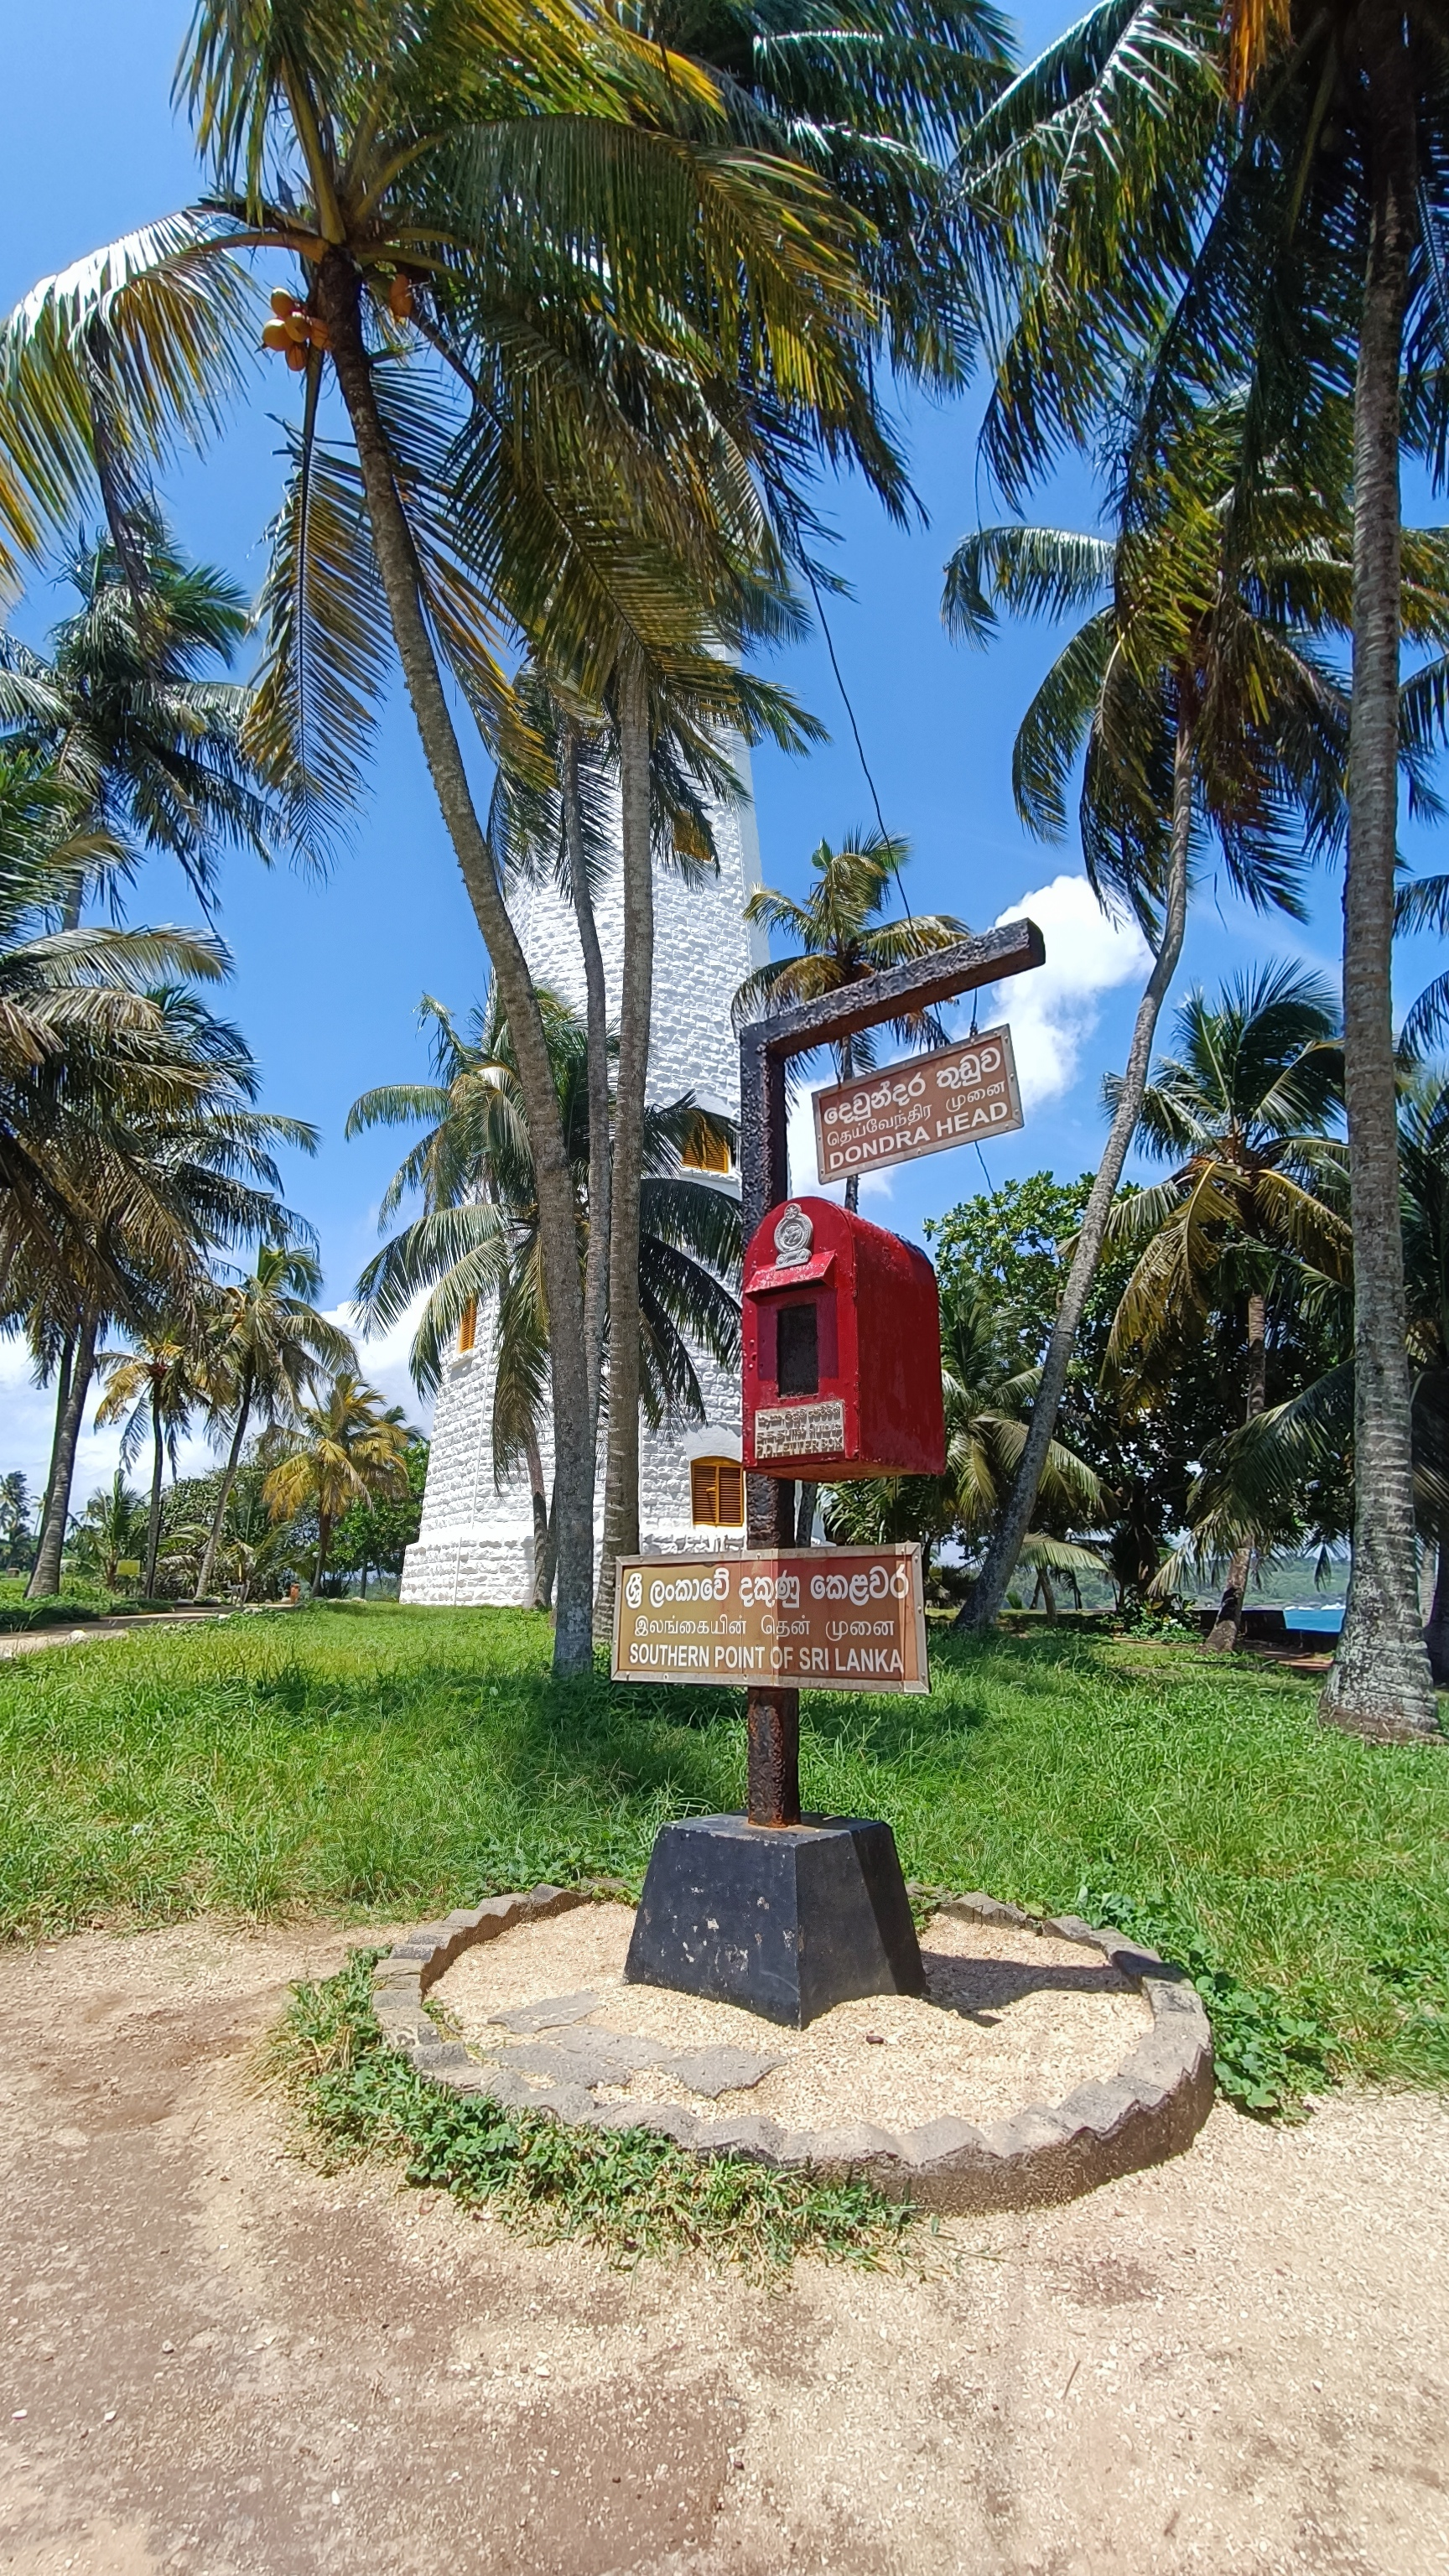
x=801 y=1431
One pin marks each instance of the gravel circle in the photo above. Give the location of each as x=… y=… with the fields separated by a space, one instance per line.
x=1011 y=1999
x=1011 y=2017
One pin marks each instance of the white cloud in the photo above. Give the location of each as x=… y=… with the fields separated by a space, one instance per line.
x=383 y=1359
x=1054 y=1011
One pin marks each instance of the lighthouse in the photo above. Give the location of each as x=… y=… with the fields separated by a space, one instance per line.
x=476 y=1541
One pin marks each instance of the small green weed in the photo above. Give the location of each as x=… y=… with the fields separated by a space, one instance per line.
x=629 y=2191
x=1419 y=1986
x=1266 y=2055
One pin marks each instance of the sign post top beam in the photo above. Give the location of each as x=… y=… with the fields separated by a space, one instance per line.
x=919 y=985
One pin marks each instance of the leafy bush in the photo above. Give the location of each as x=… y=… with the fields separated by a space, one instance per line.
x=1266 y=2054
x=60 y=1609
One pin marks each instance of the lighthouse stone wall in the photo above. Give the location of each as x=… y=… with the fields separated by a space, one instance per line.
x=475 y=1544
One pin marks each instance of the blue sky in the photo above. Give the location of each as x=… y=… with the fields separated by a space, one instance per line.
x=329 y=974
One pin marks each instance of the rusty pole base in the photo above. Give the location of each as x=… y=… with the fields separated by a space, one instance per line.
x=772 y=1729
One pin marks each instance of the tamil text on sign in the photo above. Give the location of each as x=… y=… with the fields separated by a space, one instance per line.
x=921 y=1106
x=831 y=1618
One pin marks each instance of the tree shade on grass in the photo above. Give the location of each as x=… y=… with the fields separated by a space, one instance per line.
x=391 y=1763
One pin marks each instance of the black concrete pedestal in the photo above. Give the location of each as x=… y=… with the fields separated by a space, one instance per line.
x=785 y=1920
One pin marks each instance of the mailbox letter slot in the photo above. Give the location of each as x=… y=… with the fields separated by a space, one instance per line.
x=798 y=1351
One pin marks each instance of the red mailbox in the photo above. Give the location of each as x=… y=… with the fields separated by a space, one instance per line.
x=842 y=1349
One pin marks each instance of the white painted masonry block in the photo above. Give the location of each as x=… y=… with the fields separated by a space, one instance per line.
x=476 y=1542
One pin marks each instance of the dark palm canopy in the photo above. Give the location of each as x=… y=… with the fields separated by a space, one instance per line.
x=1243 y=1111
x=477 y=1239
x=86 y=1057
x=1158 y=194
x=139 y=733
x=1216 y=612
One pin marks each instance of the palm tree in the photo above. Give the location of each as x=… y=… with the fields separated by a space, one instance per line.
x=170 y=1162
x=1199 y=686
x=344 y=1450
x=145 y=745
x=841 y=936
x=478 y=1237
x=164 y=1382
x=869 y=104
x=1258 y=201
x=1243 y=1112
x=15 y=1510
x=76 y=1021
x=983 y=1398
x=546 y=242
x=664 y=781
x=269 y=1347
x=1298 y=1454
x=112 y=1529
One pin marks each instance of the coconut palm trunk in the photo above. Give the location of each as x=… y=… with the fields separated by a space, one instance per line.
x=46 y=1575
x=1223 y=1635
x=228 y=1479
x=1436 y=1635
x=621 y=1482
x=1380 y=1683
x=984 y=1607
x=158 y=1477
x=339 y=291
x=62 y=1397
x=596 y=1009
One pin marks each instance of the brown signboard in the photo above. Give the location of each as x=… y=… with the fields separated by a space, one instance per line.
x=807 y=1618
x=923 y=1105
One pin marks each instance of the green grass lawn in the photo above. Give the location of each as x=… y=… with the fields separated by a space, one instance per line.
x=380 y=1762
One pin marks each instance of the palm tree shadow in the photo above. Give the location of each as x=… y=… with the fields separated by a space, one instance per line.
x=632 y=1742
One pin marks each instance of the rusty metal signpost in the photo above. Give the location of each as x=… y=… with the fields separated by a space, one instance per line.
x=923 y=1105
x=789 y=1921
x=772 y=1714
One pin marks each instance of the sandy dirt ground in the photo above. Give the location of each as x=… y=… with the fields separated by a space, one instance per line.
x=216 y=2360
x=1010 y=2017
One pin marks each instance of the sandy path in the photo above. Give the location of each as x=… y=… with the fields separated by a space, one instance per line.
x=216 y=2361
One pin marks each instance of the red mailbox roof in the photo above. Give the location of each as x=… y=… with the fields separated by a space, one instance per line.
x=795 y=1276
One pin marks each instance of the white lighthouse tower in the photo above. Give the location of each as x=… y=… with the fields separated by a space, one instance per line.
x=476 y=1540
